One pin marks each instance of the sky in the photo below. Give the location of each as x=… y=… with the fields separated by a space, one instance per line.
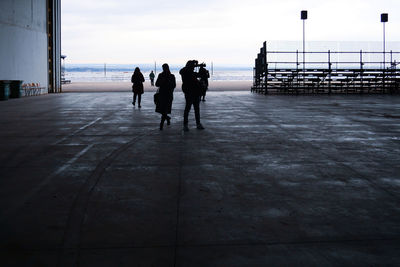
x=225 y=32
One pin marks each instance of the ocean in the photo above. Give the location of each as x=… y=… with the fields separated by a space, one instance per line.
x=123 y=73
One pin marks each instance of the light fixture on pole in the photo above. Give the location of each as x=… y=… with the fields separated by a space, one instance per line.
x=384 y=19
x=304 y=15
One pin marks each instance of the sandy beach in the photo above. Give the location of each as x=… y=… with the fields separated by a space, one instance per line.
x=126 y=86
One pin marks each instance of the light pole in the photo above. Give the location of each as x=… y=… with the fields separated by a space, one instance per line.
x=303 y=18
x=384 y=19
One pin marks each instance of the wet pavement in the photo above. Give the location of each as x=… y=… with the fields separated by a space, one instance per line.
x=88 y=180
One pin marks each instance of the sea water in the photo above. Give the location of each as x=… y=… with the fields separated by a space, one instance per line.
x=123 y=73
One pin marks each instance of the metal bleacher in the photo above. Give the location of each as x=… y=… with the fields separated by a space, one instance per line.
x=309 y=77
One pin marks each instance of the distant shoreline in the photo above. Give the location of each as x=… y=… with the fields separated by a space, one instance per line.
x=127 y=86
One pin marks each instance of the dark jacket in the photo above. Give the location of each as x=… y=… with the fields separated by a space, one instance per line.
x=167 y=84
x=190 y=84
x=204 y=75
x=137 y=79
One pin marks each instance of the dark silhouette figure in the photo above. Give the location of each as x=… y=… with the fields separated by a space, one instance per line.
x=192 y=90
x=151 y=76
x=167 y=83
x=203 y=75
x=137 y=80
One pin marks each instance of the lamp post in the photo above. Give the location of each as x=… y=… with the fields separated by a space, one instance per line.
x=384 y=19
x=304 y=15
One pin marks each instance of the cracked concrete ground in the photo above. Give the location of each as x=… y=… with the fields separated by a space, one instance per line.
x=88 y=180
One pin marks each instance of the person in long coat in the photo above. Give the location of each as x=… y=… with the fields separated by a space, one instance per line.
x=137 y=80
x=166 y=83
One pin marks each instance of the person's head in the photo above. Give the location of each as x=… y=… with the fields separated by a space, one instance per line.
x=190 y=65
x=137 y=70
x=165 y=68
x=151 y=71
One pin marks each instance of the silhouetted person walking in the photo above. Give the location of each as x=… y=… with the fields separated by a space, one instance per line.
x=151 y=76
x=192 y=90
x=167 y=83
x=137 y=80
x=203 y=75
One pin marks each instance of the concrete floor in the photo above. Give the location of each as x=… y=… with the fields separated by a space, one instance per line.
x=279 y=180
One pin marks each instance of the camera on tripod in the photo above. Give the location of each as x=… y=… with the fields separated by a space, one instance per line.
x=196 y=64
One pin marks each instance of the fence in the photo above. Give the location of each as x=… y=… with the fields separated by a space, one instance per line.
x=325 y=72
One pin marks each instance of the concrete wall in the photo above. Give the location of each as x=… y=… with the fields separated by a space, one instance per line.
x=23 y=45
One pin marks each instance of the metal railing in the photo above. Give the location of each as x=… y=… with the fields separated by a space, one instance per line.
x=325 y=72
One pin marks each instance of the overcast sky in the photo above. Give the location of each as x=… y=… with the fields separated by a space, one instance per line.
x=222 y=31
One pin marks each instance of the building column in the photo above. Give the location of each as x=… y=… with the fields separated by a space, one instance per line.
x=54 y=45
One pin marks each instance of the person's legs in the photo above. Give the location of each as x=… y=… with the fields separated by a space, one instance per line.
x=163 y=117
x=169 y=105
x=188 y=106
x=196 y=107
x=134 y=98
x=139 y=100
